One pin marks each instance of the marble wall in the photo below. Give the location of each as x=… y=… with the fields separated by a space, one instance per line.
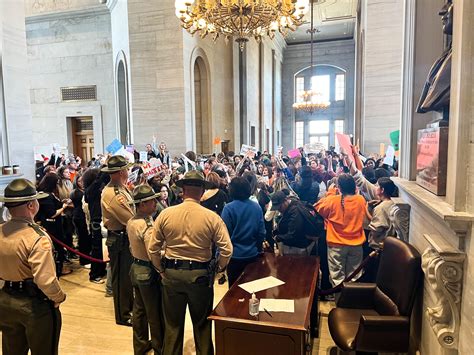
x=17 y=148
x=297 y=57
x=35 y=7
x=70 y=50
x=382 y=24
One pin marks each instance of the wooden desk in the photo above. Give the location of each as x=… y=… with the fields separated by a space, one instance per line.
x=238 y=333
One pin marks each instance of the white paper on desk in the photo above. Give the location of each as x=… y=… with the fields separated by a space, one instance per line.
x=261 y=284
x=273 y=305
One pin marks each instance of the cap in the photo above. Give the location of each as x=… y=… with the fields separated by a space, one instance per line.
x=277 y=199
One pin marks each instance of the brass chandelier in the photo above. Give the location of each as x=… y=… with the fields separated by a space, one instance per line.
x=311 y=100
x=241 y=19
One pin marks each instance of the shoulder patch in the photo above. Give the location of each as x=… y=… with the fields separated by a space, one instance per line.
x=121 y=199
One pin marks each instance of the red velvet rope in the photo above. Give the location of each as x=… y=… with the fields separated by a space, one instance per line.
x=94 y=260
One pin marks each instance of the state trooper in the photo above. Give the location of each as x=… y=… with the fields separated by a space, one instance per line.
x=189 y=231
x=117 y=209
x=29 y=300
x=147 y=310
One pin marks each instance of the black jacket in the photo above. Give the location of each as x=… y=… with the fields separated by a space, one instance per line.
x=292 y=229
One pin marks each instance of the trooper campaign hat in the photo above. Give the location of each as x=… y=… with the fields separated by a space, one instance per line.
x=194 y=178
x=143 y=193
x=116 y=163
x=21 y=190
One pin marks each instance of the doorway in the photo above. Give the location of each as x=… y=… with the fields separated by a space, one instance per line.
x=83 y=137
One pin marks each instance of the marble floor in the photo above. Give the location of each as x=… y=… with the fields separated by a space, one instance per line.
x=89 y=327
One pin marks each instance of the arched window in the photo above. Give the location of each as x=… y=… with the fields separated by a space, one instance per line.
x=123 y=110
x=321 y=126
x=201 y=108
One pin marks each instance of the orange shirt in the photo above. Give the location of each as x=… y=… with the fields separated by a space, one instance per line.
x=343 y=226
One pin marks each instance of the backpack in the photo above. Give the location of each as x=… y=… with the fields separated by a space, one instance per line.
x=314 y=225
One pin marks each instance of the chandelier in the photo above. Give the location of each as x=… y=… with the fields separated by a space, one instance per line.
x=241 y=19
x=311 y=100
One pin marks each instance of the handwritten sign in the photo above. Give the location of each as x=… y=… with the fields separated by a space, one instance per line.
x=245 y=148
x=314 y=148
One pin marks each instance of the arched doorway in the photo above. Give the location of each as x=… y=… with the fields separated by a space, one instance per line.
x=201 y=108
x=123 y=113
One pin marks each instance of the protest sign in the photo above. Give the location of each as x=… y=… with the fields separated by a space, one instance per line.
x=395 y=139
x=293 y=153
x=345 y=144
x=389 y=156
x=143 y=156
x=245 y=148
x=114 y=146
x=313 y=148
x=130 y=148
x=132 y=177
x=382 y=149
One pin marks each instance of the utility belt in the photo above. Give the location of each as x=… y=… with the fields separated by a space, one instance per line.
x=142 y=262
x=25 y=287
x=185 y=264
x=118 y=238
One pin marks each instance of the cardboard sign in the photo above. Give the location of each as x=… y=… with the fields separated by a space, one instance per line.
x=114 y=146
x=245 y=148
x=389 y=156
x=143 y=156
x=382 y=149
x=395 y=139
x=293 y=153
x=150 y=170
x=345 y=144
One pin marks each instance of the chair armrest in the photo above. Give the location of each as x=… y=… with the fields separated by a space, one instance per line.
x=383 y=334
x=392 y=322
x=357 y=295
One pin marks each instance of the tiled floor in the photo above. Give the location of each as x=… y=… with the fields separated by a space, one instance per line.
x=89 y=327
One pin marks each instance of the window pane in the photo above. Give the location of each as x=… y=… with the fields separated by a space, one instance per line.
x=340 y=87
x=299 y=89
x=320 y=84
x=319 y=127
x=324 y=140
x=339 y=126
x=299 y=134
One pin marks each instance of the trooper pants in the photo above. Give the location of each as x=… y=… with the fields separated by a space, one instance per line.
x=97 y=269
x=120 y=263
x=183 y=288
x=28 y=323
x=147 y=310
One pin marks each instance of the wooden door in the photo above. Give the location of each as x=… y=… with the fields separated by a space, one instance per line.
x=83 y=138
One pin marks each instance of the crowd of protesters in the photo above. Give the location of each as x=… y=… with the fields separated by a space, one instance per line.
x=334 y=205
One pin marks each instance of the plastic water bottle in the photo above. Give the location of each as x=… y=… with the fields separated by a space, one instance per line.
x=254 y=304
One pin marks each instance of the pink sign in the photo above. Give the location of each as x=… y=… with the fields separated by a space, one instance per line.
x=293 y=153
x=345 y=144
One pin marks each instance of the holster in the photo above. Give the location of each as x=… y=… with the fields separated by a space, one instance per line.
x=211 y=270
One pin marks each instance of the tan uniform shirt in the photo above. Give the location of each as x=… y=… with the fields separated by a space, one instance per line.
x=116 y=207
x=26 y=254
x=189 y=231
x=139 y=230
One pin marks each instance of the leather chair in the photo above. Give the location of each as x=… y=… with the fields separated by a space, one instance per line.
x=376 y=317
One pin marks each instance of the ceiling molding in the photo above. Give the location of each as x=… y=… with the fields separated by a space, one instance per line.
x=61 y=15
